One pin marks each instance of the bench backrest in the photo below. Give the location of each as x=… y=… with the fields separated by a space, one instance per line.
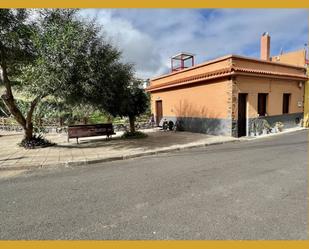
x=76 y=131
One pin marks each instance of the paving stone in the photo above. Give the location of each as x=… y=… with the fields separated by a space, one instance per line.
x=97 y=149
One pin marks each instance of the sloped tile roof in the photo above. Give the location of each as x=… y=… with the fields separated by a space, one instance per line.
x=264 y=72
x=224 y=72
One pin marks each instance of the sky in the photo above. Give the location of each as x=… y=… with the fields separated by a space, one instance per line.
x=149 y=37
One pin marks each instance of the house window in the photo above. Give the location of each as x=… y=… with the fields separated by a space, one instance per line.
x=262 y=101
x=286 y=103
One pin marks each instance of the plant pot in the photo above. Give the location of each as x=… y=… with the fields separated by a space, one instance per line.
x=274 y=130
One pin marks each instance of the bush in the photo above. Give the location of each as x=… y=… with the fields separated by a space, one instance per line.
x=179 y=125
x=134 y=135
x=279 y=126
x=258 y=125
x=98 y=117
x=37 y=141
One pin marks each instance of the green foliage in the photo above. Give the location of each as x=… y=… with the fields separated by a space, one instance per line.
x=52 y=109
x=60 y=55
x=72 y=59
x=135 y=102
x=46 y=109
x=279 y=126
x=129 y=100
x=119 y=120
x=77 y=65
x=99 y=117
x=15 y=39
x=258 y=125
x=4 y=112
x=134 y=135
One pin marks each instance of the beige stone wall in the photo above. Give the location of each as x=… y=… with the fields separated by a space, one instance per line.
x=275 y=89
x=208 y=100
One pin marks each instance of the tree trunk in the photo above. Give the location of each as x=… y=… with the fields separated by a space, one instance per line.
x=28 y=132
x=9 y=101
x=61 y=121
x=7 y=96
x=13 y=109
x=132 y=124
x=29 y=125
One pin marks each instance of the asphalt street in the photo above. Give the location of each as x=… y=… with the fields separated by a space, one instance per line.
x=248 y=190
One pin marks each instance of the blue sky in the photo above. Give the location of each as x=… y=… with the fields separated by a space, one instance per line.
x=149 y=37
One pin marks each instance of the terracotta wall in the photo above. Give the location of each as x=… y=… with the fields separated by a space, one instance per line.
x=274 y=67
x=275 y=89
x=211 y=100
x=214 y=99
x=296 y=58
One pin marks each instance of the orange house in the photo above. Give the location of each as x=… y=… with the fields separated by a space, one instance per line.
x=225 y=95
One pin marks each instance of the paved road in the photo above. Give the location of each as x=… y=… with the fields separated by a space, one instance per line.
x=246 y=190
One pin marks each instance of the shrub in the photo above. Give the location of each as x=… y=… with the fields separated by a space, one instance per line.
x=179 y=125
x=37 y=141
x=279 y=126
x=258 y=125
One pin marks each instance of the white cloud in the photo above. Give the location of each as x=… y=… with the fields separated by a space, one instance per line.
x=148 y=37
x=137 y=46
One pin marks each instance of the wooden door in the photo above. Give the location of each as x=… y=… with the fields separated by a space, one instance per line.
x=242 y=114
x=159 y=111
x=286 y=103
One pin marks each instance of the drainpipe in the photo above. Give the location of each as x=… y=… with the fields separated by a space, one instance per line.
x=306 y=102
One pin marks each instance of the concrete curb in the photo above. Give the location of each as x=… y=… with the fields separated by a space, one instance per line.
x=141 y=154
x=115 y=158
x=276 y=134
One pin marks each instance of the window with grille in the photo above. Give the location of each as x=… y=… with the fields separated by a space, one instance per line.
x=262 y=104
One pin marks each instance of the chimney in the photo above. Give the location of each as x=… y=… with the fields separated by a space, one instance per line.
x=265 y=47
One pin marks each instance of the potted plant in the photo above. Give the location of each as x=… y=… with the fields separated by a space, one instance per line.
x=279 y=126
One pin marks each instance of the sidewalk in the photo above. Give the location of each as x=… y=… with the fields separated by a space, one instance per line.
x=96 y=149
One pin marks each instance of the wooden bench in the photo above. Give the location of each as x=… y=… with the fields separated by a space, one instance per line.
x=77 y=131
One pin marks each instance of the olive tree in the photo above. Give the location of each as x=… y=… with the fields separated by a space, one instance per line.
x=55 y=53
x=128 y=100
x=134 y=103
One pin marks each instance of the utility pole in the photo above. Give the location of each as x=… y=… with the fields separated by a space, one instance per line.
x=306 y=94
x=306 y=102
